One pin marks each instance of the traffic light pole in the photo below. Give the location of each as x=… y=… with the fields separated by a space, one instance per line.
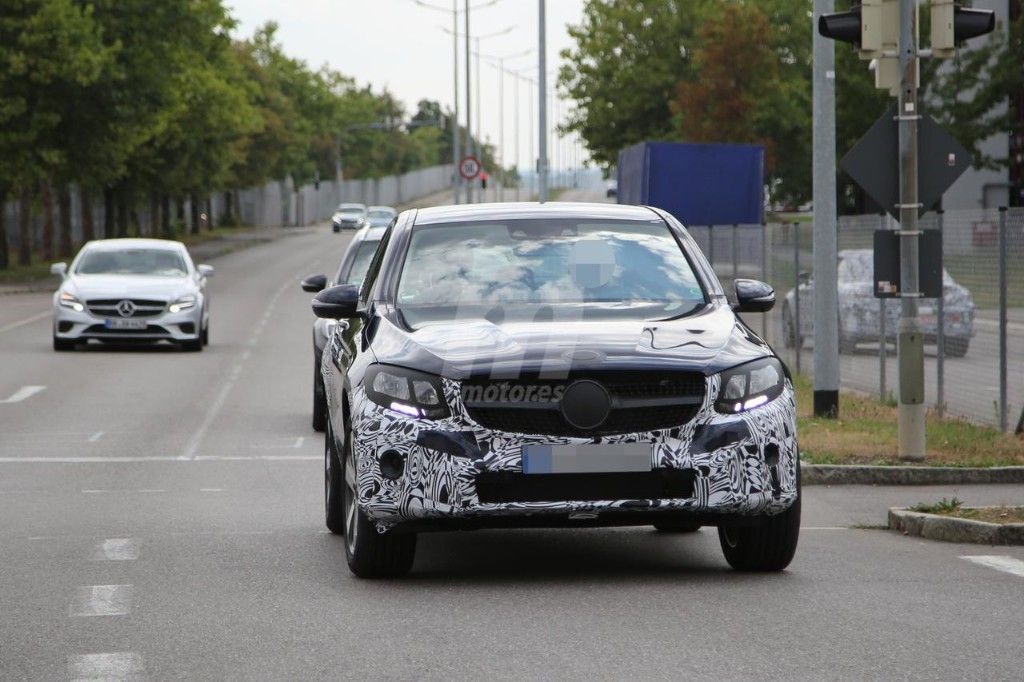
x=912 y=409
x=826 y=291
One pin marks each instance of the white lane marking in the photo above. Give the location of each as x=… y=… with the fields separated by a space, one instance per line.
x=298 y=442
x=152 y=490
x=192 y=447
x=126 y=460
x=27 y=320
x=116 y=549
x=1006 y=564
x=102 y=600
x=24 y=392
x=96 y=436
x=211 y=490
x=94 y=491
x=117 y=665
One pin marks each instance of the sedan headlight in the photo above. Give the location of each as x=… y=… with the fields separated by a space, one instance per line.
x=69 y=301
x=406 y=391
x=183 y=303
x=750 y=385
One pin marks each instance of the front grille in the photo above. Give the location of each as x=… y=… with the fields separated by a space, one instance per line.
x=641 y=401
x=659 y=484
x=107 y=307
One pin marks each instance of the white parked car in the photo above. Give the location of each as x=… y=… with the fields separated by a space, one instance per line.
x=131 y=290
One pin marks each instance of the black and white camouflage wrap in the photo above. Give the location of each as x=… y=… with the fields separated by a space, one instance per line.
x=732 y=479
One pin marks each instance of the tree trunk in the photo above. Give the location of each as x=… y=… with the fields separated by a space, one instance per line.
x=154 y=215
x=165 y=217
x=194 y=206
x=46 y=196
x=122 y=216
x=64 y=199
x=108 y=213
x=181 y=213
x=229 y=214
x=25 y=227
x=4 y=255
x=88 y=228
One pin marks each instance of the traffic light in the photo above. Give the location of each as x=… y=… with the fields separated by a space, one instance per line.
x=953 y=24
x=871 y=26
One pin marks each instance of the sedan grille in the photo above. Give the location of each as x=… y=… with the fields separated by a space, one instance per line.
x=117 y=307
x=638 y=401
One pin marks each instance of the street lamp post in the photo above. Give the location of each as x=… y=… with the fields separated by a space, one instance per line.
x=542 y=91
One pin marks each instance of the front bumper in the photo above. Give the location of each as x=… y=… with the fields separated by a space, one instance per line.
x=861 y=322
x=71 y=325
x=735 y=466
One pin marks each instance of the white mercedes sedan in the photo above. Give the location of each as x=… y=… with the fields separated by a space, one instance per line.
x=131 y=291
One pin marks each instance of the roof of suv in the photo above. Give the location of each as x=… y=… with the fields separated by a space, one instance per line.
x=512 y=211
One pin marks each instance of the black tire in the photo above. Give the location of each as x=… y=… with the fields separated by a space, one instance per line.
x=319 y=400
x=790 y=337
x=334 y=517
x=677 y=526
x=335 y=228
x=956 y=347
x=370 y=554
x=766 y=547
x=192 y=346
x=62 y=345
x=206 y=334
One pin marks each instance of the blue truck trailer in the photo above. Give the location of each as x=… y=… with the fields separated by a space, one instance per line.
x=700 y=184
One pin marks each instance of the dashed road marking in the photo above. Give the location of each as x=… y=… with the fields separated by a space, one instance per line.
x=23 y=393
x=95 y=437
x=211 y=490
x=102 y=600
x=116 y=549
x=118 y=665
x=1006 y=564
x=27 y=320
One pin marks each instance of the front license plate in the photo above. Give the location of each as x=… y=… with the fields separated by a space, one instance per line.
x=587 y=458
x=126 y=323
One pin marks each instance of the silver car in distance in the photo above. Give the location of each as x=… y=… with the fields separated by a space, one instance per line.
x=130 y=291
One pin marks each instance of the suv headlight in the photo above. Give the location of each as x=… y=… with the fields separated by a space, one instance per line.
x=183 y=303
x=68 y=301
x=750 y=385
x=406 y=391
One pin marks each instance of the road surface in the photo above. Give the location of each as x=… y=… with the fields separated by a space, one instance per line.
x=162 y=519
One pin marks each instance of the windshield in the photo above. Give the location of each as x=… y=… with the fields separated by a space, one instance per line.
x=378 y=218
x=348 y=208
x=154 y=262
x=523 y=269
x=361 y=263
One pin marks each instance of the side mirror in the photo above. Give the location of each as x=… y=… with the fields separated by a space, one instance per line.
x=59 y=269
x=753 y=296
x=314 y=283
x=337 y=303
x=804 y=278
x=205 y=270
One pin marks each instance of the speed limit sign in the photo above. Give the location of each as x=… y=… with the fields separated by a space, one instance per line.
x=469 y=167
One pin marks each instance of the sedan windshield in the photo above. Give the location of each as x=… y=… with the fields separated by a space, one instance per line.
x=544 y=269
x=361 y=263
x=153 y=262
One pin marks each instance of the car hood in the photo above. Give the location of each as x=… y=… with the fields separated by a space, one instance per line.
x=709 y=341
x=129 y=286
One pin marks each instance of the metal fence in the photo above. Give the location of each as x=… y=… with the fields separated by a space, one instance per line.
x=974 y=334
x=270 y=205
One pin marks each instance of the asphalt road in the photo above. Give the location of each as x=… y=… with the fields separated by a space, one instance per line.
x=161 y=518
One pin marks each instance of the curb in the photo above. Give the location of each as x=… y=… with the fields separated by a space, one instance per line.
x=857 y=474
x=952 y=529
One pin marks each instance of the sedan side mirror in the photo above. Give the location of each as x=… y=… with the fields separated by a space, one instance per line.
x=205 y=270
x=314 y=283
x=59 y=269
x=753 y=296
x=337 y=303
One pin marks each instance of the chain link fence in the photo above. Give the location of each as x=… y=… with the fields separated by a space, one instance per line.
x=974 y=358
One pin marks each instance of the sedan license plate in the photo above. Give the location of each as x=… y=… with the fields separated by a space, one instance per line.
x=126 y=323
x=588 y=458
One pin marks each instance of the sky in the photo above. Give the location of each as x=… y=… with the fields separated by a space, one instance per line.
x=400 y=45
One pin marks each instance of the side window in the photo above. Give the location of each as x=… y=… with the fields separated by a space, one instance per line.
x=375 y=265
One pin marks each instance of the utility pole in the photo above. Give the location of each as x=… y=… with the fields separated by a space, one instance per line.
x=519 y=181
x=500 y=155
x=911 y=411
x=469 y=105
x=456 y=155
x=542 y=96
x=826 y=260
